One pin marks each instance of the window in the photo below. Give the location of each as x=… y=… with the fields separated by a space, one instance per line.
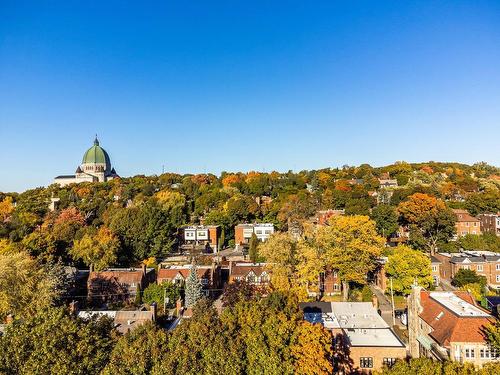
x=258 y=232
x=486 y=353
x=498 y=267
x=466 y=267
x=475 y=224
x=479 y=267
x=434 y=268
x=498 y=278
x=469 y=353
x=335 y=287
x=389 y=362
x=366 y=362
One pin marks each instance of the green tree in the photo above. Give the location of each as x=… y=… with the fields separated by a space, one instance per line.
x=253 y=249
x=98 y=250
x=138 y=352
x=25 y=286
x=493 y=335
x=193 y=288
x=406 y=265
x=156 y=293
x=464 y=277
x=386 y=218
x=53 y=342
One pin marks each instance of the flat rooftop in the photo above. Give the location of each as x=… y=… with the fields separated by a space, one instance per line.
x=457 y=305
x=357 y=315
x=360 y=322
x=378 y=337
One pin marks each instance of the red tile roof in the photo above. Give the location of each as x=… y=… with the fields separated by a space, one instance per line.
x=447 y=326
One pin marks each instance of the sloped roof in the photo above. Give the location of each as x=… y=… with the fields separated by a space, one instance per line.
x=124 y=276
x=448 y=326
x=171 y=273
x=244 y=268
x=464 y=217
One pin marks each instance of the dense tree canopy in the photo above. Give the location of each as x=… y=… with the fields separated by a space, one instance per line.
x=407 y=266
x=53 y=342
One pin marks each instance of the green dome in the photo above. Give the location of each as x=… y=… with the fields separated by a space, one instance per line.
x=97 y=155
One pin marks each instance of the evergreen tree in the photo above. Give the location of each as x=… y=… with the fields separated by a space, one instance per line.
x=252 y=251
x=222 y=239
x=193 y=288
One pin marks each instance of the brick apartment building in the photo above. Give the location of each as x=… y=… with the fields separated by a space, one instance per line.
x=466 y=223
x=448 y=326
x=485 y=263
x=206 y=236
x=359 y=332
x=243 y=232
x=490 y=223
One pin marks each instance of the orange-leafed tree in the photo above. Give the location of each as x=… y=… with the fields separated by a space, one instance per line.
x=313 y=350
x=429 y=220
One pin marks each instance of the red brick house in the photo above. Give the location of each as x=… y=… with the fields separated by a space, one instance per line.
x=118 y=284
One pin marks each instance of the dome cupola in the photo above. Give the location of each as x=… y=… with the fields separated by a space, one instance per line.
x=96 y=159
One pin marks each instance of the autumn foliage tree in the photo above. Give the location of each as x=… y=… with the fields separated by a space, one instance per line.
x=429 y=220
x=350 y=245
x=99 y=250
x=407 y=266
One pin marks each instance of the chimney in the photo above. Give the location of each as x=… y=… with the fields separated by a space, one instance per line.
x=91 y=267
x=178 y=306
x=154 y=310
x=375 y=302
x=73 y=308
x=143 y=269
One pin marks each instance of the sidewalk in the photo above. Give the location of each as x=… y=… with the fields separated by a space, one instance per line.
x=384 y=305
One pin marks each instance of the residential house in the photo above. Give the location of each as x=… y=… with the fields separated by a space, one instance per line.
x=209 y=275
x=205 y=236
x=118 y=284
x=124 y=320
x=436 y=270
x=466 y=224
x=387 y=183
x=363 y=340
x=243 y=232
x=253 y=273
x=448 y=326
x=484 y=263
x=490 y=223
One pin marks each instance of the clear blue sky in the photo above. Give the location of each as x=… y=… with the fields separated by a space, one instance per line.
x=206 y=86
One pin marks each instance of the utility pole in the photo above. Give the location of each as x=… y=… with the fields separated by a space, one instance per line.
x=392 y=301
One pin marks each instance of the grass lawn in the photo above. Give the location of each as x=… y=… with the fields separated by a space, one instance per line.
x=335 y=298
x=399 y=301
